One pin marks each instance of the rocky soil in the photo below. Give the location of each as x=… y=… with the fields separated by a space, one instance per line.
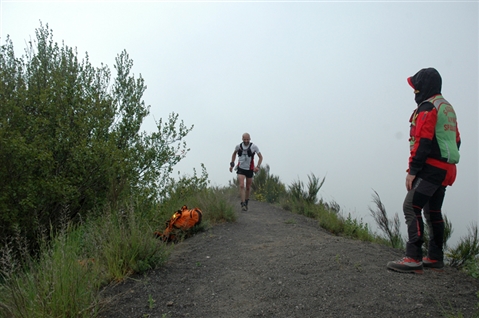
x=272 y=263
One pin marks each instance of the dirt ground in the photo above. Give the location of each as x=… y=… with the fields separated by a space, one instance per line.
x=272 y=263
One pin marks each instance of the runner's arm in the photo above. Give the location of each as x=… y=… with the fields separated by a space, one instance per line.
x=233 y=158
x=260 y=160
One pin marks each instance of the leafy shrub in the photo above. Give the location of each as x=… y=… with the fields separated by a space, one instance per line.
x=357 y=229
x=298 y=193
x=267 y=187
x=70 y=139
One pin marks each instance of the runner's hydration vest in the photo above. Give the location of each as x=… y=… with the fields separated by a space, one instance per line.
x=240 y=151
x=446 y=130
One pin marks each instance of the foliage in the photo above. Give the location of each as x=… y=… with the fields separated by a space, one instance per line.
x=465 y=254
x=332 y=222
x=123 y=242
x=178 y=192
x=467 y=250
x=194 y=192
x=448 y=230
x=391 y=228
x=215 y=204
x=471 y=266
x=304 y=201
x=267 y=187
x=309 y=196
x=70 y=139
x=57 y=285
x=73 y=266
x=355 y=228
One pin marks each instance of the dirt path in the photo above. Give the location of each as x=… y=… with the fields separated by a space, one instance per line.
x=272 y=263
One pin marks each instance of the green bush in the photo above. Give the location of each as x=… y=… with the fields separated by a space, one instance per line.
x=471 y=266
x=331 y=221
x=267 y=187
x=73 y=265
x=70 y=139
x=357 y=229
x=297 y=191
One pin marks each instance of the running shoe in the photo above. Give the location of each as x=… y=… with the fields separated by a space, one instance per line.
x=406 y=265
x=432 y=263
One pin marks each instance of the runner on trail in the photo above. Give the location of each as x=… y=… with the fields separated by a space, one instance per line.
x=245 y=168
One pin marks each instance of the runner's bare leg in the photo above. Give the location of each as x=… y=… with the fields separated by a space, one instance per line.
x=241 y=178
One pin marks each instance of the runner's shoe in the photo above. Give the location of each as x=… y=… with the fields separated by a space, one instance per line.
x=406 y=265
x=432 y=263
x=244 y=207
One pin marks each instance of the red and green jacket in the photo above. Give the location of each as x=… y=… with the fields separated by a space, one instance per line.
x=434 y=136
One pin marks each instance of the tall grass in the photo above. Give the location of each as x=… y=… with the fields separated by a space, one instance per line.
x=391 y=227
x=54 y=285
x=467 y=251
x=302 y=199
x=65 y=278
x=123 y=243
x=216 y=205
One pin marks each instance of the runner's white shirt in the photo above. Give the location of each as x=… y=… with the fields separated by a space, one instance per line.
x=245 y=162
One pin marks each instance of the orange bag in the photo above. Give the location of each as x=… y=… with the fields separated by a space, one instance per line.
x=180 y=224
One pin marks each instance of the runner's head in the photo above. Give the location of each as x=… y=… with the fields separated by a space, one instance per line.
x=246 y=139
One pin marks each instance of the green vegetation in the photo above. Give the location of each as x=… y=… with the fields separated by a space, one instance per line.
x=82 y=190
x=465 y=253
x=75 y=263
x=303 y=200
x=266 y=186
x=70 y=139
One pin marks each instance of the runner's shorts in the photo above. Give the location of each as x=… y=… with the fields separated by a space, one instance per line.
x=247 y=173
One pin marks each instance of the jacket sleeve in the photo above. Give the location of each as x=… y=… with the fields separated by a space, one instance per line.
x=423 y=136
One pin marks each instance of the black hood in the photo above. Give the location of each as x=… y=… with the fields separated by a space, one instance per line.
x=426 y=83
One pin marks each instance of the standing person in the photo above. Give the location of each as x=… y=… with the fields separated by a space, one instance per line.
x=434 y=152
x=245 y=169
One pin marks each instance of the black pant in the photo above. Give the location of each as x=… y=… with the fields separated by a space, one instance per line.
x=427 y=197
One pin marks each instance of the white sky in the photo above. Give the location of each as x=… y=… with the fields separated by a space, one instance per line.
x=320 y=86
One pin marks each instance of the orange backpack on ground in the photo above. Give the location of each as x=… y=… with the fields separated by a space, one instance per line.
x=180 y=224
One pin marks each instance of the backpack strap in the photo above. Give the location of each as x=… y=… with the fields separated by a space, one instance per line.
x=240 y=151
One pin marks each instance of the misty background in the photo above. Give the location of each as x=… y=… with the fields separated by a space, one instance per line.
x=320 y=86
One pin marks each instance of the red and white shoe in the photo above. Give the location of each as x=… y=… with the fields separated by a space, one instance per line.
x=406 y=265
